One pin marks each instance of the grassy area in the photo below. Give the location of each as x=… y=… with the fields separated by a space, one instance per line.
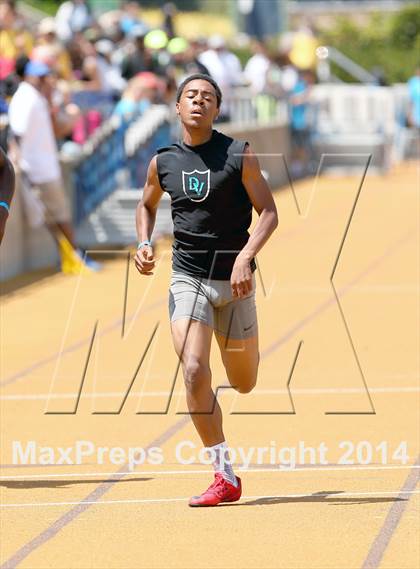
x=49 y=7
x=389 y=41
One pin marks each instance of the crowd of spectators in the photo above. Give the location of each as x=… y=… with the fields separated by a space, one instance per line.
x=115 y=63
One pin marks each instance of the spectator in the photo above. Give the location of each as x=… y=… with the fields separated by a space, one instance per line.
x=414 y=97
x=9 y=84
x=156 y=41
x=140 y=92
x=14 y=39
x=130 y=17
x=303 y=47
x=47 y=37
x=139 y=58
x=169 y=11
x=257 y=67
x=282 y=73
x=32 y=125
x=98 y=74
x=72 y=16
x=300 y=122
x=184 y=60
x=225 y=68
x=274 y=75
x=112 y=81
x=21 y=62
x=110 y=23
x=92 y=80
x=199 y=45
x=223 y=65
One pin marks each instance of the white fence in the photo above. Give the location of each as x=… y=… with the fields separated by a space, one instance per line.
x=362 y=119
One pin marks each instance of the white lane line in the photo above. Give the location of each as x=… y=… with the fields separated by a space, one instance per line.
x=297 y=391
x=182 y=472
x=165 y=500
x=17 y=397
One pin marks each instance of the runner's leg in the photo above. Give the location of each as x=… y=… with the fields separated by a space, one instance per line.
x=236 y=331
x=241 y=359
x=192 y=342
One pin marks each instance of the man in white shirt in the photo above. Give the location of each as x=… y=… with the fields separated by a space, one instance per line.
x=32 y=124
x=256 y=68
x=72 y=16
x=224 y=67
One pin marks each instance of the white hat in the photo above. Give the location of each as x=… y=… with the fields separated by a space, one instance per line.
x=216 y=42
x=104 y=47
x=47 y=26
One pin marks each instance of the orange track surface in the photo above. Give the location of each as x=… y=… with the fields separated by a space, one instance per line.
x=348 y=349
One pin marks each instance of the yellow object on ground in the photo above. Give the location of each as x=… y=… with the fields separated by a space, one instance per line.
x=71 y=263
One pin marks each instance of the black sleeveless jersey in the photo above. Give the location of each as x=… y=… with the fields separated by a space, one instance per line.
x=211 y=210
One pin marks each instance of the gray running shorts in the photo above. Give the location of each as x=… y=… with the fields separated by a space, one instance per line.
x=211 y=301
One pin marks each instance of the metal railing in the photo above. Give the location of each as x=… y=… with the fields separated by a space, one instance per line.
x=244 y=107
x=116 y=157
x=328 y=54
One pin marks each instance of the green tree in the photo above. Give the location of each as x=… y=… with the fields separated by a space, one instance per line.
x=405 y=27
x=390 y=42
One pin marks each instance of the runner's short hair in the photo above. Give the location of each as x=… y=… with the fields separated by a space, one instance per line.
x=204 y=77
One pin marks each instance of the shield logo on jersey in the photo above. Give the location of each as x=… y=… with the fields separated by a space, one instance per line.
x=196 y=184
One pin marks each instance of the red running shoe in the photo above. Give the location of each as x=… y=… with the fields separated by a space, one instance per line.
x=220 y=491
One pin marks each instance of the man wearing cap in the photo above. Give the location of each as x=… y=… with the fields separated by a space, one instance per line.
x=32 y=124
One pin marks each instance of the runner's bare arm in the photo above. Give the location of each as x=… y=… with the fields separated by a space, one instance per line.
x=262 y=200
x=146 y=217
x=7 y=188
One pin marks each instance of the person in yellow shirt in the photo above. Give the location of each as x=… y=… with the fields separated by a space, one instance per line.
x=14 y=39
x=47 y=38
x=303 y=49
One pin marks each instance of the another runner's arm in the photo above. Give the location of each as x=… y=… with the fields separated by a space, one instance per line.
x=7 y=188
x=146 y=217
x=262 y=200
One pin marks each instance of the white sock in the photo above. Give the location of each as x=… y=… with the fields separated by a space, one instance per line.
x=221 y=463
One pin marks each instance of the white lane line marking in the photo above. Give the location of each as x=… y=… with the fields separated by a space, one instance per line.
x=157 y=500
x=175 y=472
x=297 y=391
